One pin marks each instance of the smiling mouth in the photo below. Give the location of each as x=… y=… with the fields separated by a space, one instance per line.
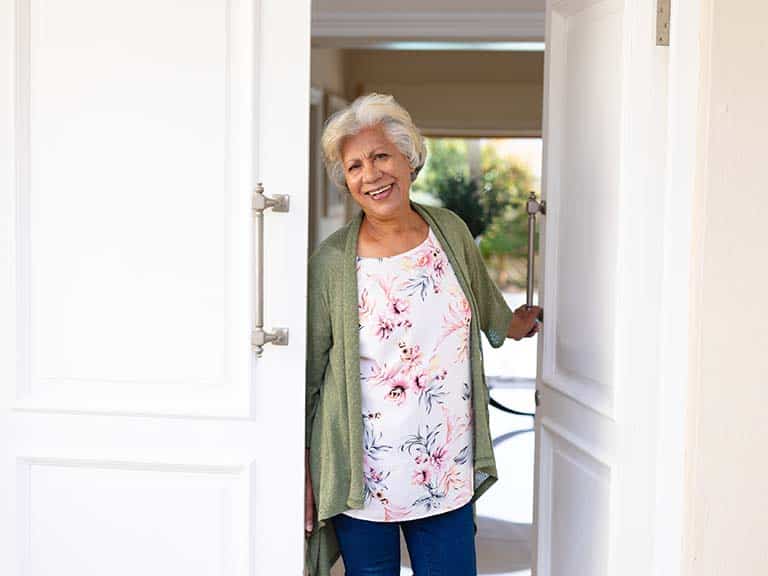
x=375 y=193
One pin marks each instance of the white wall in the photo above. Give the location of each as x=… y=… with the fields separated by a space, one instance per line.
x=726 y=527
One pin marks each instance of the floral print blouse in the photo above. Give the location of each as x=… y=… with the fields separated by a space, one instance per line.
x=415 y=379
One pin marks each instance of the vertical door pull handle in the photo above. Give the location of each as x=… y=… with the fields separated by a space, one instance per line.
x=260 y=203
x=532 y=207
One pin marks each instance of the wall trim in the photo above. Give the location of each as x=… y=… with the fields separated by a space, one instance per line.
x=429 y=25
x=682 y=478
x=478 y=133
x=683 y=211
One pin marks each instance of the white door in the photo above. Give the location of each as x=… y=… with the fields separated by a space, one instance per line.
x=604 y=134
x=139 y=433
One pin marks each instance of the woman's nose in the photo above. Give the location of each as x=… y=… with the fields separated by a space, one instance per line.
x=370 y=172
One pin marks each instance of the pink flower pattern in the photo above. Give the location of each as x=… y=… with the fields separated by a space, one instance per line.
x=414 y=372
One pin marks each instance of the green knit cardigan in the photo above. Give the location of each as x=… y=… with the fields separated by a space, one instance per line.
x=334 y=425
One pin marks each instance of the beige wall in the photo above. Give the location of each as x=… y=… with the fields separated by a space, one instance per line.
x=327 y=70
x=428 y=5
x=327 y=73
x=726 y=530
x=471 y=91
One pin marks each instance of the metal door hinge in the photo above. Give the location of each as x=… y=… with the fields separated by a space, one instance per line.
x=537 y=397
x=662 y=22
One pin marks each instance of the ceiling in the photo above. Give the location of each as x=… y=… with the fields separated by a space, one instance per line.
x=351 y=23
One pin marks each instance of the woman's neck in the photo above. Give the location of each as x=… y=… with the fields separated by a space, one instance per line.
x=383 y=229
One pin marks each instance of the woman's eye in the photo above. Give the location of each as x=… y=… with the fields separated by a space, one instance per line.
x=381 y=155
x=352 y=168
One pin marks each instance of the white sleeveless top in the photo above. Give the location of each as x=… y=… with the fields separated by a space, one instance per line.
x=415 y=380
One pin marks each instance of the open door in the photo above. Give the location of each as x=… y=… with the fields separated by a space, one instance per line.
x=604 y=148
x=139 y=432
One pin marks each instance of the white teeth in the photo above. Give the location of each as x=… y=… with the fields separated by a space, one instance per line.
x=379 y=191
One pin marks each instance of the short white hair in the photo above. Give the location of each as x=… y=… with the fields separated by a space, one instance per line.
x=365 y=112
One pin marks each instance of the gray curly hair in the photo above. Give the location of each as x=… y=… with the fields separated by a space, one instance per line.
x=366 y=111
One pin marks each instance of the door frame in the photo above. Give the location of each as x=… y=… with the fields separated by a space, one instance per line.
x=678 y=295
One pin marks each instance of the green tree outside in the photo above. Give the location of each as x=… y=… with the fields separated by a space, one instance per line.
x=492 y=205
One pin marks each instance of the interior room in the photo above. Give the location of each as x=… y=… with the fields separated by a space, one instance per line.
x=479 y=104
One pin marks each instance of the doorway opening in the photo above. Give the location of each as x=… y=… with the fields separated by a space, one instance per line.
x=480 y=109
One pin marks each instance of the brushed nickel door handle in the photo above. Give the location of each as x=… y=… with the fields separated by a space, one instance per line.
x=260 y=203
x=532 y=207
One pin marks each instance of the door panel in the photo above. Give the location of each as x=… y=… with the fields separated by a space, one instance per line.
x=604 y=145
x=195 y=539
x=126 y=136
x=573 y=481
x=579 y=505
x=584 y=143
x=143 y=435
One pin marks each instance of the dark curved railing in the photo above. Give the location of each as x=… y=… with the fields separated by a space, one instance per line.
x=512 y=382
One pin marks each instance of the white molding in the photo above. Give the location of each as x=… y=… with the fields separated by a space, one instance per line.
x=591 y=394
x=22 y=228
x=679 y=347
x=542 y=506
x=437 y=132
x=580 y=452
x=432 y=25
x=590 y=449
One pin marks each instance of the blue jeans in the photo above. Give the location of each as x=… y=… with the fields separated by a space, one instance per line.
x=439 y=545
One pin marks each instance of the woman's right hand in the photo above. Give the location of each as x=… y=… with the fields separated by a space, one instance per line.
x=309 y=498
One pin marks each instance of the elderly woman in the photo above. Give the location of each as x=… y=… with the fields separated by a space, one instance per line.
x=397 y=406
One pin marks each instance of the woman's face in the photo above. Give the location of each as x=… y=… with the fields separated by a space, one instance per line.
x=378 y=175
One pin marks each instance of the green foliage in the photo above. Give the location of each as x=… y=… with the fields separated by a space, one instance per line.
x=493 y=205
x=506 y=184
x=446 y=177
x=447 y=157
